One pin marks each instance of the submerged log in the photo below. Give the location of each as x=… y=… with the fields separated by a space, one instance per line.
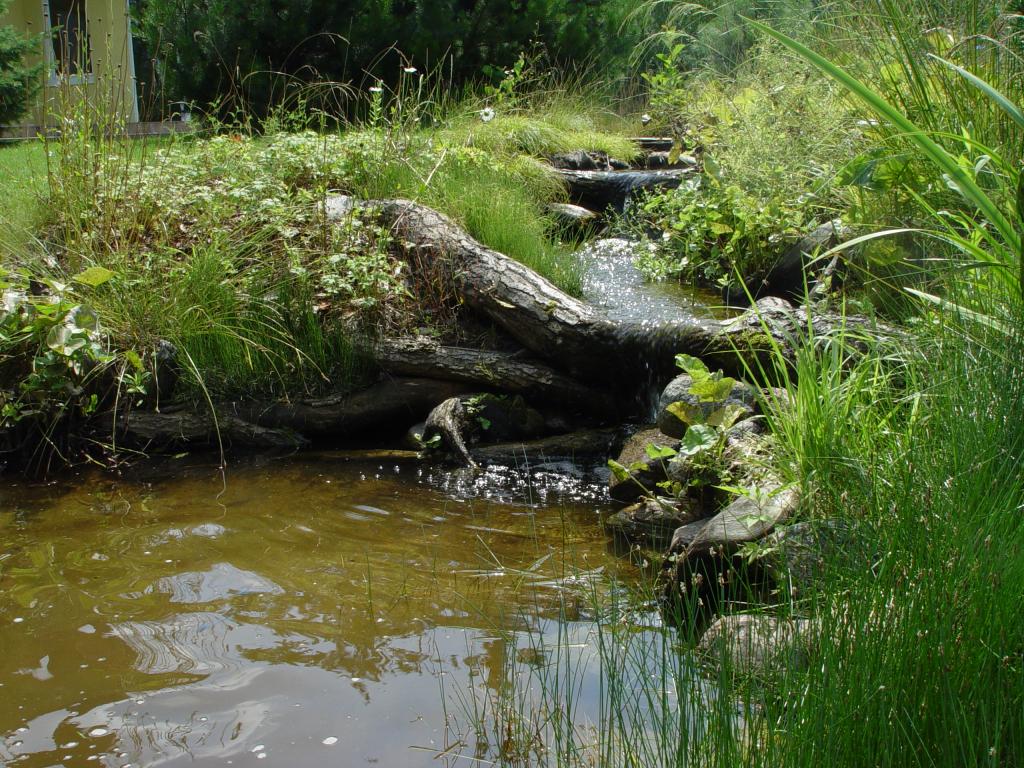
x=596 y=444
x=502 y=371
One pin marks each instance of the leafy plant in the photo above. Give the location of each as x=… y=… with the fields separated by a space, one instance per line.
x=706 y=432
x=19 y=81
x=52 y=348
x=714 y=232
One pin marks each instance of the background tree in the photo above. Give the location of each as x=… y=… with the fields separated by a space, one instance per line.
x=220 y=51
x=19 y=81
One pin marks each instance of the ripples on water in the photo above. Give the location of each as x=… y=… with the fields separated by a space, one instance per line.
x=302 y=613
x=616 y=287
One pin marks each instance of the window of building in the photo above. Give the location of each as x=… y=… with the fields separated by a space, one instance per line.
x=69 y=38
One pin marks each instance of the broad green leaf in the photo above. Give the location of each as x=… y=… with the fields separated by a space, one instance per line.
x=656 y=451
x=711 y=168
x=719 y=228
x=84 y=318
x=686 y=413
x=691 y=365
x=726 y=416
x=65 y=340
x=713 y=388
x=699 y=437
x=93 y=276
x=619 y=471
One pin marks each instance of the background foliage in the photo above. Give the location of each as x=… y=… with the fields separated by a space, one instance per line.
x=18 y=80
x=230 y=50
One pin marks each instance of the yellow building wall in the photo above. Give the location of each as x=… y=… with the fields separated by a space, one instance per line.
x=110 y=87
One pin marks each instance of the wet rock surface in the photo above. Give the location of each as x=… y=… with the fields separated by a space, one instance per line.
x=644 y=473
x=653 y=521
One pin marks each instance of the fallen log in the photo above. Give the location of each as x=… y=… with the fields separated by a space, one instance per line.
x=394 y=403
x=159 y=432
x=599 y=190
x=544 y=319
x=448 y=421
x=501 y=371
x=571 y=334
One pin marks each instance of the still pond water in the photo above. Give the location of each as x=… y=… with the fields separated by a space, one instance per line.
x=300 y=612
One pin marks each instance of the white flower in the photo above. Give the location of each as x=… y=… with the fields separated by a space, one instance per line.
x=376 y=89
x=487 y=114
x=409 y=70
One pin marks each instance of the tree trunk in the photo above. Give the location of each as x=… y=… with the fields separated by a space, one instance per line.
x=393 y=404
x=502 y=371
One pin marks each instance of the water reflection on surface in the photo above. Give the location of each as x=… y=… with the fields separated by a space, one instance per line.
x=305 y=612
x=615 y=286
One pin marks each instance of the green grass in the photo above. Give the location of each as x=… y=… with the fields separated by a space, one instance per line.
x=218 y=243
x=23 y=192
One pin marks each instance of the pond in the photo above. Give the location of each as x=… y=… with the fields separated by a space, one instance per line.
x=301 y=611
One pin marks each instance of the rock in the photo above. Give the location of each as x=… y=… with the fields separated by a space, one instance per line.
x=798 y=554
x=756 y=644
x=748 y=456
x=643 y=479
x=413 y=438
x=338 y=208
x=746 y=519
x=698 y=577
x=678 y=390
x=684 y=535
x=786 y=278
x=574 y=217
x=652 y=522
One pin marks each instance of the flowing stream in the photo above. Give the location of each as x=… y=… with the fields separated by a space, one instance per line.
x=301 y=612
x=612 y=284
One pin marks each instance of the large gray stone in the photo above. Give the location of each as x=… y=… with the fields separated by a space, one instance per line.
x=678 y=390
x=756 y=644
x=652 y=522
x=643 y=479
